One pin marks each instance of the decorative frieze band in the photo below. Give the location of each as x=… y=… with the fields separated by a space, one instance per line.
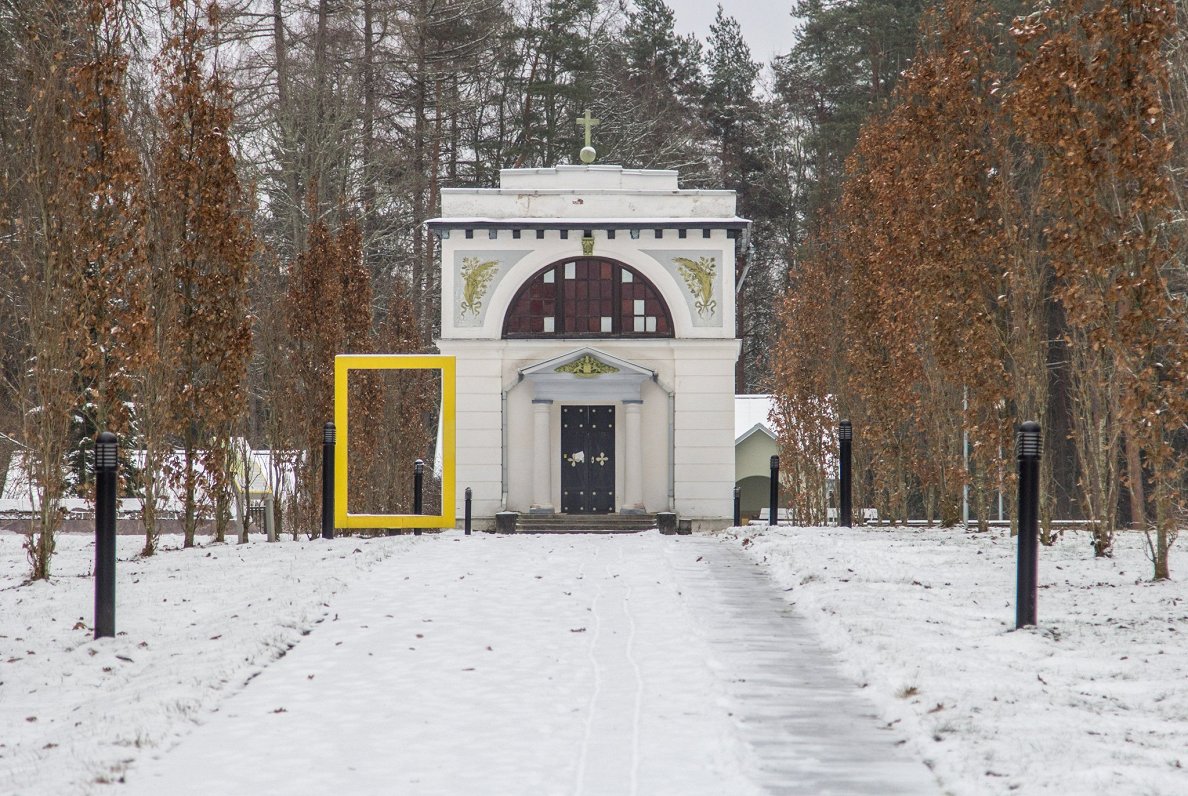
x=443 y=228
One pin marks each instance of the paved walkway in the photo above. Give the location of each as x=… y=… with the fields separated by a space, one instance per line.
x=585 y=665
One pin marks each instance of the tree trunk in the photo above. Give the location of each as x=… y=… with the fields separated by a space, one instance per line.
x=284 y=113
x=367 y=190
x=1134 y=477
x=189 y=491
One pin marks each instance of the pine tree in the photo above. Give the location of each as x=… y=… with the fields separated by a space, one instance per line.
x=842 y=68
x=647 y=93
x=732 y=115
x=562 y=37
x=729 y=101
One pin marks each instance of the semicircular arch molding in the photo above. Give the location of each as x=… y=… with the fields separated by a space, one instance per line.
x=523 y=271
x=587 y=297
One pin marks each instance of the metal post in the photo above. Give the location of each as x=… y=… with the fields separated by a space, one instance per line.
x=106 y=464
x=1028 y=447
x=466 y=513
x=774 y=519
x=328 y=439
x=965 y=457
x=270 y=516
x=737 y=506
x=418 y=479
x=845 y=509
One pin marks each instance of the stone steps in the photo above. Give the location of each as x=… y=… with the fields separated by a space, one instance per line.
x=585 y=523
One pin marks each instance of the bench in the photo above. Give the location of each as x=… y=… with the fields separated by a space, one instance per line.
x=785 y=517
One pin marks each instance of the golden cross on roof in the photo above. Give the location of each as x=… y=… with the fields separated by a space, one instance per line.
x=587 y=121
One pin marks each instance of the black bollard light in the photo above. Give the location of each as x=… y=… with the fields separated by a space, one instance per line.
x=328 y=440
x=418 y=479
x=1028 y=449
x=737 y=506
x=466 y=511
x=845 y=509
x=106 y=475
x=774 y=519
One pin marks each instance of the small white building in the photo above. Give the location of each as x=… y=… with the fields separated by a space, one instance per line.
x=591 y=312
x=755 y=444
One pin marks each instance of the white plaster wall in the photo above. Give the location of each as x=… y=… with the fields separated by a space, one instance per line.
x=704 y=430
x=479 y=421
x=654 y=427
x=521 y=445
x=606 y=176
x=586 y=192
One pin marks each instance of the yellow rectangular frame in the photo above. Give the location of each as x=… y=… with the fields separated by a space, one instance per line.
x=343 y=365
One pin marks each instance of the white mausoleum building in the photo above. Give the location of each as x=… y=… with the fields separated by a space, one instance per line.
x=591 y=312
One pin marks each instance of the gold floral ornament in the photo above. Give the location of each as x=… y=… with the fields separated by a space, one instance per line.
x=699 y=278
x=587 y=367
x=476 y=278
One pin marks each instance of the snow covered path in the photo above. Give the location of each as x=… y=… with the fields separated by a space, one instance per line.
x=586 y=665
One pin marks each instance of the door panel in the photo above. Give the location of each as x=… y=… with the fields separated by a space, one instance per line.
x=587 y=459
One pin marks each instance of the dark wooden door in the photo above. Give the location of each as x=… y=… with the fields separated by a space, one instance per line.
x=587 y=459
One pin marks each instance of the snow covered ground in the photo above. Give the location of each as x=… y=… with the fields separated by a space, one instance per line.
x=589 y=665
x=1093 y=701
x=193 y=625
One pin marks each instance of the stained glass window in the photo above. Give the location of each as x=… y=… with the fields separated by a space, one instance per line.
x=588 y=297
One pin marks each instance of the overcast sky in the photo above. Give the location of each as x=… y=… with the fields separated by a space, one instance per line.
x=766 y=24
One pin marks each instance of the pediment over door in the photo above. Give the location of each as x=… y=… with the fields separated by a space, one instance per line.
x=586 y=374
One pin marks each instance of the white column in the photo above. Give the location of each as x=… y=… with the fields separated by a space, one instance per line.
x=542 y=457
x=633 y=458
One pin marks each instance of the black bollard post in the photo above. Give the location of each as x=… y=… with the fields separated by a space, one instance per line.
x=774 y=519
x=466 y=512
x=845 y=510
x=106 y=464
x=328 y=441
x=1028 y=448
x=418 y=478
x=737 y=506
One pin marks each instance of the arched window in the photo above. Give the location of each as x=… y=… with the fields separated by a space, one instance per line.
x=588 y=297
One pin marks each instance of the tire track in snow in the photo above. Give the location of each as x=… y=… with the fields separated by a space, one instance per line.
x=593 y=704
x=638 y=706
x=615 y=714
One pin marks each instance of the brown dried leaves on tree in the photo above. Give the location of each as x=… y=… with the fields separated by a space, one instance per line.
x=329 y=310
x=207 y=248
x=82 y=244
x=1000 y=180
x=329 y=313
x=1089 y=98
